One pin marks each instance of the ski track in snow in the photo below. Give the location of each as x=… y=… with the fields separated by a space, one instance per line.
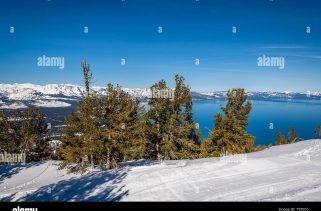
x=281 y=173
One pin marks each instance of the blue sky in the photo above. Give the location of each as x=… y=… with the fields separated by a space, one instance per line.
x=191 y=30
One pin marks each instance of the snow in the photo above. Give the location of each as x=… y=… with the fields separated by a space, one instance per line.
x=17 y=96
x=29 y=91
x=51 y=103
x=282 y=173
x=37 y=103
x=16 y=105
x=25 y=92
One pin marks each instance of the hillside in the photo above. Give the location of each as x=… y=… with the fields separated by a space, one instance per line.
x=288 y=172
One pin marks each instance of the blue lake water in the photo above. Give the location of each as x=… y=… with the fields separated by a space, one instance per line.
x=304 y=116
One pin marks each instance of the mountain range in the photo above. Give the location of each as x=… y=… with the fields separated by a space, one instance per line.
x=18 y=96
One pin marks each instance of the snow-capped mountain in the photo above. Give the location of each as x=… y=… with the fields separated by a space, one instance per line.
x=285 y=95
x=15 y=96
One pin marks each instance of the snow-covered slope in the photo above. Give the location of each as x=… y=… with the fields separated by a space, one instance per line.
x=281 y=173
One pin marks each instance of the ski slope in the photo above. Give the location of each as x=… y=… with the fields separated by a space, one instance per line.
x=282 y=173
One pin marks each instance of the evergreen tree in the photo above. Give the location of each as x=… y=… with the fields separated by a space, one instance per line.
x=34 y=135
x=216 y=143
x=292 y=136
x=281 y=139
x=157 y=120
x=207 y=149
x=8 y=140
x=103 y=131
x=25 y=132
x=317 y=132
x=81 y=144
x=87 y=77
x=229 y=133
x=169 y=125
x=124 y=139
x=187 y=136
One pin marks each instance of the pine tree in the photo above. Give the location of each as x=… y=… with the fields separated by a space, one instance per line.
x=216 y=143
x=229 y=133
x=124 y=138
x=25 y=132
x=317 y=132
x=7 y=135
x=187 y=136
x=281 y=139
x=169 y=125
x=81 y=144
x=87 y=77
x=157 y=120
x=103 y=131
x=34 y=135
x=292 y=136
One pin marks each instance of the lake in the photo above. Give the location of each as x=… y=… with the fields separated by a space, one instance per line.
x=304 y=116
